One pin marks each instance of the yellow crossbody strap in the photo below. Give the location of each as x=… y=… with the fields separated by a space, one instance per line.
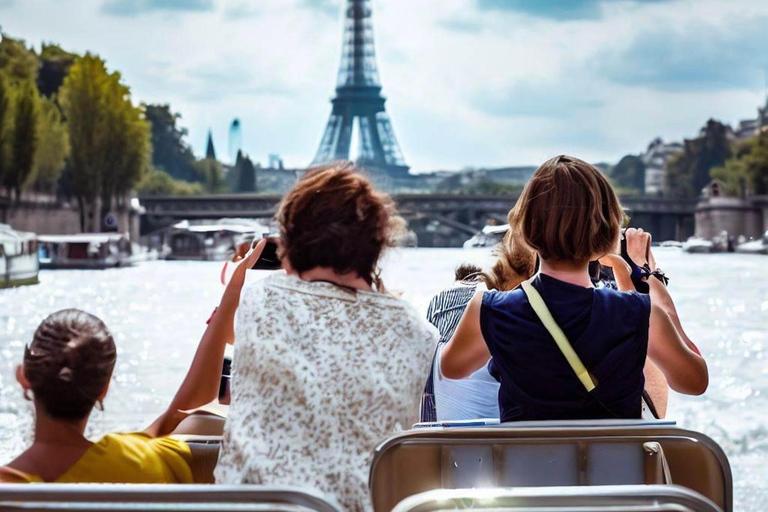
x=542 y=311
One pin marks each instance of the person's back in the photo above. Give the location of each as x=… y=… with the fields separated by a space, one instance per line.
x=134 y=458
x=326 y=363
x=581 y=355
x=607 y=329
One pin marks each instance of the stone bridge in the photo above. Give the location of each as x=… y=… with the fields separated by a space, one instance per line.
x=439 y=220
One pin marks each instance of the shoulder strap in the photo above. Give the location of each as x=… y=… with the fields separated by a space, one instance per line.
x=542 y=311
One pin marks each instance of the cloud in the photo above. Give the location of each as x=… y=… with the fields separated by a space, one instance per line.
x=693 y=58
x=6 y=3
x=240 y=10
x=554 y=100
x=135 y=7
x=329 y=7
x=461 y=25
x=555 y=9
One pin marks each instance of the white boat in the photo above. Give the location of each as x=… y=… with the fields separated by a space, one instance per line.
x=86 y=251
x=490 y=236
x=754 y=246
x=211 y=241
x=18 y=257
x=698 y=245
x=671 y=243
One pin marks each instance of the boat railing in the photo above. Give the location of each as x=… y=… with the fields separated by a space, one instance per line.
x=143 y=498
x=615 y=498
x=554 y=453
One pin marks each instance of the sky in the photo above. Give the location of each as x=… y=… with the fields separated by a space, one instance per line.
x=469 y=83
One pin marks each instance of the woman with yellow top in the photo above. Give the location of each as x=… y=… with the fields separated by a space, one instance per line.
x=66 y=373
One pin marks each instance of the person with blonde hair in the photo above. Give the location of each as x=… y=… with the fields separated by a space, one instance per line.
x=562 y=348
x=476 y=396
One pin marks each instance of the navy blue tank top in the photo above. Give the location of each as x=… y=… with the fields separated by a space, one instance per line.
x=608 y=330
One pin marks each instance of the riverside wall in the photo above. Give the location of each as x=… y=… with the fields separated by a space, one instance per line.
x=747 y=217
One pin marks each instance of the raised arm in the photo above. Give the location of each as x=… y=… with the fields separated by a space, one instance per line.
x=466 y=351
x=685 y=370
x=201 y=385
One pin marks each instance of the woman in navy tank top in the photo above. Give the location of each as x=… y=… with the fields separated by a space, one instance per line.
x=570 y=215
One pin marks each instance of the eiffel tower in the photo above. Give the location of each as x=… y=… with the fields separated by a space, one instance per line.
x=359 y=104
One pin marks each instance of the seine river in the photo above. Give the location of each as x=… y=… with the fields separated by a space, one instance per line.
x=157 y=312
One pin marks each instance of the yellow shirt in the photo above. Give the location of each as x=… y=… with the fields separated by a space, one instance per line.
x=124 y=458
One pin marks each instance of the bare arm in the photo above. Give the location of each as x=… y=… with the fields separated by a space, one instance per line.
x=685 y=370
x=466 y=351
x=201 y=385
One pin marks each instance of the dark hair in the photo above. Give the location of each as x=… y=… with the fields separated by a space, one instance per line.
x=515 y=262
x=334 y=218
x=69 y=363
x=467 y=272
x=568 y=211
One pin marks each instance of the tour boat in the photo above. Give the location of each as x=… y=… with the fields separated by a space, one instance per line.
x=87 y=251
x=490 y=236
x=211 y=241
x=18 y=257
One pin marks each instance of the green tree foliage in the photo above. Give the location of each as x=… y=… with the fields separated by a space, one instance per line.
x=243 y=174
x=629 y=175
x=109 y=138
x=5 y=124
x=157 y=182
x=213 y=175
x=747 y=170
x=169 y=150
x=54 y=66
x=689 y=172
x=23 y=139
x=52 y=148
x=17 y=62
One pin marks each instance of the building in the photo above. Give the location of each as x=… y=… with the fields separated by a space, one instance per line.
x=655 y=160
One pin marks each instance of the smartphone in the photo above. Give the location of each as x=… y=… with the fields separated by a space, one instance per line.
x=268 y=259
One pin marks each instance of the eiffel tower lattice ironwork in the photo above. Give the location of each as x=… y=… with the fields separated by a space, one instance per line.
x=359 y=102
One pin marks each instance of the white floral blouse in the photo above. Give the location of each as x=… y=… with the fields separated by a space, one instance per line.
x=322 y=374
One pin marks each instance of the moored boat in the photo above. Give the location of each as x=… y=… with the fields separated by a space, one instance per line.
x=754 y=246
x=18 y=257
x=211 y=241
x=85 y=251
x=490 y=236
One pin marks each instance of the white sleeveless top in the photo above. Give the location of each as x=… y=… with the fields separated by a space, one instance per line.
x=321 y=375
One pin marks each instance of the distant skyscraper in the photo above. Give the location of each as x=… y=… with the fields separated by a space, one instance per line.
x=235 y=140
x=210 y=151
x=358 y=114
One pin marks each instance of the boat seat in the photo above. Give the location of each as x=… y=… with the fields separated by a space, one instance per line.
x=133 y=498
x=201 y=424
x=552 y=453
x=205 y=455
x=615 y=498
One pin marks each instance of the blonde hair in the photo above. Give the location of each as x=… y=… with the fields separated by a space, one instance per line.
x=515 y=263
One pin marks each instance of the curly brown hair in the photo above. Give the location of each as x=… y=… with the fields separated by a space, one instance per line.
x=334 y=218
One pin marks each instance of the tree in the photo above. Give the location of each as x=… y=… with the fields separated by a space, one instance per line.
x=169 y=150
x=689 y=172
x=747 y=170
x=5 y=123
x=211 y=171
x=17 y=62
x=159 y=183
x=54 y=66
x=109 y=138
x=629 y=174
x=52 y=148
x=23 y=139
x=243 y=177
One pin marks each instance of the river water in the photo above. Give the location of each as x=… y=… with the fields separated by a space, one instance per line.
x=157 y=312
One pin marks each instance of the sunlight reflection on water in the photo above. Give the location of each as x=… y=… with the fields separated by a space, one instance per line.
x=157 y=312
